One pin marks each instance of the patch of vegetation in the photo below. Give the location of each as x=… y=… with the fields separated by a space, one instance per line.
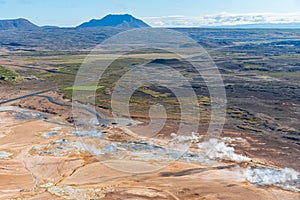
x=60 y=78
x=69 y=67
x=284 y=74
x=253 y=121
x=204 y=100
x=152 y=93
x=48 y=53
x=245 y=116
x=83 y=88
x=140 y=102
x=255 y=67
x=8 y=75
x=293 y=77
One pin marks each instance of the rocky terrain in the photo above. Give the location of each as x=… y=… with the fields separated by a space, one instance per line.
x=44 y=156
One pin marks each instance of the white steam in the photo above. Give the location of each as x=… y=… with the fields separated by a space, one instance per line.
x=220 y=151
x=286 y=178
x=89 y=148
x=184 y=138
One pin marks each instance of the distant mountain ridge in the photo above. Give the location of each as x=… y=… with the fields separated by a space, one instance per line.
x=260 y=25
x=121 y=21
x=128 y=21
x=20 y=23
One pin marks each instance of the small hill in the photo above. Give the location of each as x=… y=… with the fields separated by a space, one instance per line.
x=23 y=24
x=49 y=27
x=121 y=21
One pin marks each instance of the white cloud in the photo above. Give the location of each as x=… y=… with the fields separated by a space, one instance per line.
x=222 y=19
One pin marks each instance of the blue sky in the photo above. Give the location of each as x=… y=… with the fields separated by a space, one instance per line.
x=73 y=12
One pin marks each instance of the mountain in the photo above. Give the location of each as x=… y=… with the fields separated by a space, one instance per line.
x=50 y=27
x=261 y=25
x=121 y=21
x=22 y=24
